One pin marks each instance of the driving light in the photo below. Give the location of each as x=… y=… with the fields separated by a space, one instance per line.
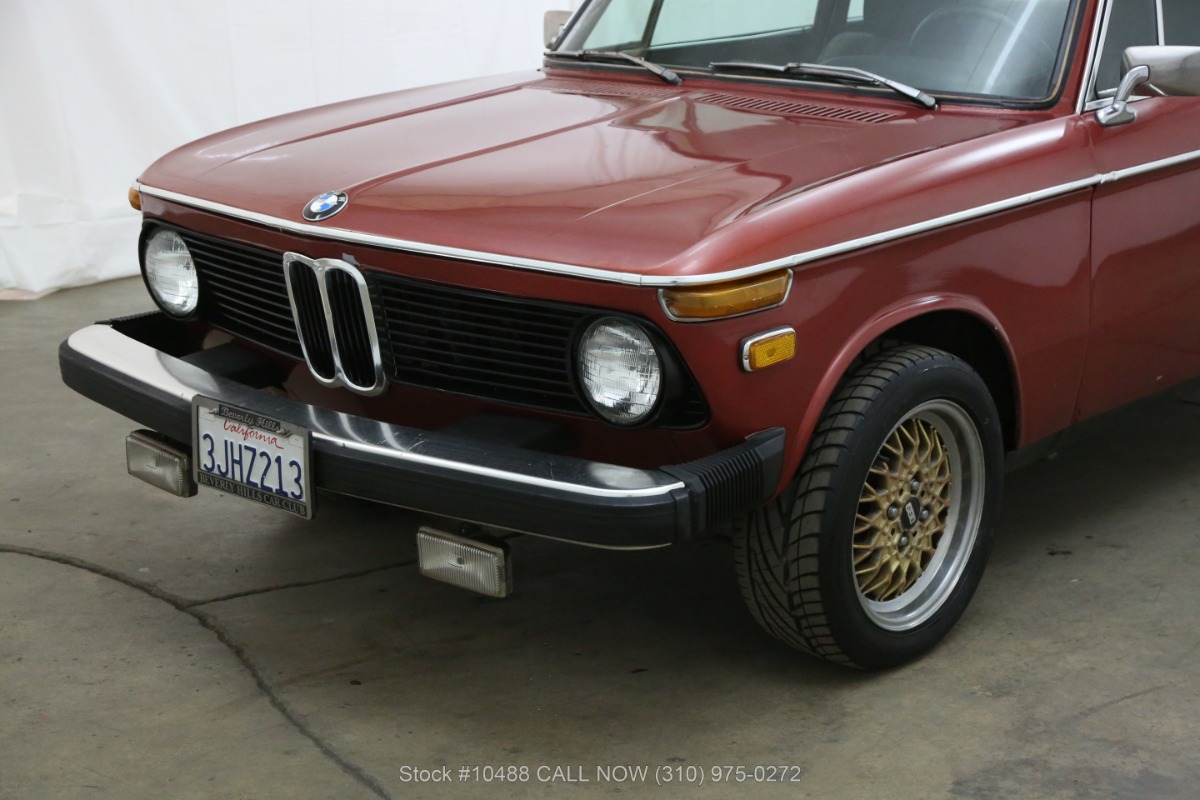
x=159 y=463
x=465 y=563
x=720 y=300
x=768 y=349
x=170 y=274
x=620 y=371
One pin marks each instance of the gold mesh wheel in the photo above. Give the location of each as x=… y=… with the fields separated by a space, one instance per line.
x=874 y=551
x=918 y=515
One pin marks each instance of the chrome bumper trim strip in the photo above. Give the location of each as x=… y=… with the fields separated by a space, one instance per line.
x=150 y=368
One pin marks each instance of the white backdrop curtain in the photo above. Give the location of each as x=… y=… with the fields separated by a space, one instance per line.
x=93 y=90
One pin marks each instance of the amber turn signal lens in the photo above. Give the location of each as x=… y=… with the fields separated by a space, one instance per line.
x=719 y=300
x=769 y=349
x=135 y=198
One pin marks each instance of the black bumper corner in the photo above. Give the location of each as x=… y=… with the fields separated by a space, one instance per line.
x=118 y=365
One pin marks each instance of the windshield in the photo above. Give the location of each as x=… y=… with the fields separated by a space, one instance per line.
x=996 y=48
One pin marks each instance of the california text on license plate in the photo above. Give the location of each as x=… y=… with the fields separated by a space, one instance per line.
x=251 y=455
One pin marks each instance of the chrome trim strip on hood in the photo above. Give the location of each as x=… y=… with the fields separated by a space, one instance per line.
x=634 y=279
x=389 y=243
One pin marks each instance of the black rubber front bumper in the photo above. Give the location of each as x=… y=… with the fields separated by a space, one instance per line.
x=120 y=365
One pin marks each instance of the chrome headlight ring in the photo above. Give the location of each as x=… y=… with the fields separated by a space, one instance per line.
x=622 y=374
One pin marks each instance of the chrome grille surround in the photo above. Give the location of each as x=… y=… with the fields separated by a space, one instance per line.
x=335 y=322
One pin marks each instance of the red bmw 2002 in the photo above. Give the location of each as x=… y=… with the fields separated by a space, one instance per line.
x=808 y=271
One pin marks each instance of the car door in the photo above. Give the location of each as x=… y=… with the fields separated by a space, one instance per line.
x=1146 y=221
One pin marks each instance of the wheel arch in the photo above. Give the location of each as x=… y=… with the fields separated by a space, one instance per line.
x=958 y=325
x=978 y=343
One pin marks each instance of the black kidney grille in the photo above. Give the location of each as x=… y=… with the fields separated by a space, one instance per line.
x=479 y=343
x=469 y=342
x=244 y=291
x=350 y=325
x=336 y=322
x=310 y=320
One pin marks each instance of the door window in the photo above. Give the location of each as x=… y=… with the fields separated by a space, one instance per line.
x=1181 y=22
x=1131 y=23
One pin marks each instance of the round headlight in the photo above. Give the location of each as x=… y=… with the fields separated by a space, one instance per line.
x=171 y=275
x=620 y=370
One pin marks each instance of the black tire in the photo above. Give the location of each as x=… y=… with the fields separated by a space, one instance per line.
x=855 y=563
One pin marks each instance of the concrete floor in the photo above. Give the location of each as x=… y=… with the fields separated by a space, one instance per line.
x=152 y=647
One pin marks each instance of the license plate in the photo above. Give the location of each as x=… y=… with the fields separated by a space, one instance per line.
x=243 y=452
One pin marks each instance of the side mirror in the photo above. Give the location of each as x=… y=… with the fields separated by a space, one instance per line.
x=552 y=25
x=1118 y=111
x=1174 y=71
x=1167 y=71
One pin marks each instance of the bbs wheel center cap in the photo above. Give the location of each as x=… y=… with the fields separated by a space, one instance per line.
x=910 y=514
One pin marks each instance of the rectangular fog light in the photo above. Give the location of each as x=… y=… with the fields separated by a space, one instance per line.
x=159 y=463
x=463 y=562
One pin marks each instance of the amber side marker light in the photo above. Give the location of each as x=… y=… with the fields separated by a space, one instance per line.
x=768 y=349
x=720 y=300
x=135 y=198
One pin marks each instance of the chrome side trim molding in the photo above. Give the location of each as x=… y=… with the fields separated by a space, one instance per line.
x=634 y=279
x=1153 y=166
x=926 y=226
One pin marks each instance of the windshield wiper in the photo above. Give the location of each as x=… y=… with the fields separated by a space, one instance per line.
x=616 y=55
x=852 y=74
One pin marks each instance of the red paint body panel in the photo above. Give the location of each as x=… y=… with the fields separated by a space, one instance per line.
x=1146 y=259
x=547 y=173
x=1089 y=290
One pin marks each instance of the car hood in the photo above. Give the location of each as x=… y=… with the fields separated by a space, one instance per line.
x=623 y=175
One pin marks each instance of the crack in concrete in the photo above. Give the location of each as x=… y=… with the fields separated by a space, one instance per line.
x=209 y=623
x=297 y=584
x=1096 y=709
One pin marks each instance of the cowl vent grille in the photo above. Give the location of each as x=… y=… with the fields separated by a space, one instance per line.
x=764 y=105
x=760 y=105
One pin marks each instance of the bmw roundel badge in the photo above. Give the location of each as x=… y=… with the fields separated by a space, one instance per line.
x=324 y=206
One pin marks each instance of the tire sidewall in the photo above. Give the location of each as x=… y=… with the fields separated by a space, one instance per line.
x=860 y=638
